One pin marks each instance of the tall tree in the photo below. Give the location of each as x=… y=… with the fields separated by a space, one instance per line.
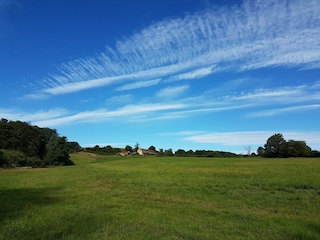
x=298 y=149
x=169 y=152
x=6 y=131
x=27 y=145
x=260 y=151
x=275 y=146
x=136 y=147
x=180 y=152
x=108 y=149
x=128 y=148
x=57 y=151
x=152 y=148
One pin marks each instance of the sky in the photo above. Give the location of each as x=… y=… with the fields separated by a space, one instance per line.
x=179 y=74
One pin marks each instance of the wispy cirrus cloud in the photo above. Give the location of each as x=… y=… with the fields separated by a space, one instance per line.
x=255 y=35
x=284 y=110
x=125 y=114
x=199 y=73
x=120 y=99
x=182 y=133
x=284 y=95
x=275 y=101
x=140 y=84
x=18 y=115
x=253 y=137
x=34 y=96
x=231 y=138
x=172 y=92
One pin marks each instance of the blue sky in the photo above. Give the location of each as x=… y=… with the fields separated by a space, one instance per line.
x=190 y=74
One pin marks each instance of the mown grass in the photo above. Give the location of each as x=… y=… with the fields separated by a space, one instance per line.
x=163 y=198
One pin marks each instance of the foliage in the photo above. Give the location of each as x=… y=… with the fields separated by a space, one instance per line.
x=277 y=146
x=181 y=153
x=153 y=148
x=57 y=152
x=107 y=197
x=128 y=148
x=315 y=153
x=3 y=160
x=297 y=149
x=107 y=150
x=25 y=145
x=12 y=158
x=203 y=153
x=168 y=152
x=261 y=151
x=73 y=147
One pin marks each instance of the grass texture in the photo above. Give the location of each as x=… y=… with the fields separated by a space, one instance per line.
x=163 y=198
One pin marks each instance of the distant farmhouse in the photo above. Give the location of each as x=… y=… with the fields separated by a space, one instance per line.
x=142 y=151
x=124 y=153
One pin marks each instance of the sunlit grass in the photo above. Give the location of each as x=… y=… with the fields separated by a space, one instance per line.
x=163 y=198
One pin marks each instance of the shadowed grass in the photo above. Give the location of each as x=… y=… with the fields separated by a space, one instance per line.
x=163 y=198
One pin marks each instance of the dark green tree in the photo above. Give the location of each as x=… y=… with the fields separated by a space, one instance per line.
x=96 y=148
x=45 y=135
x=109 y=150
x=276 y=146
x=180 y=153
x=298 y=149
x=315 y=153
x=3 y=160
x=73 y=147
x=5 y=133
x=57 y=151
x=128 y=148
x=160 y=152
x=168 y=152
x=260 y=151
x=190 y=153
x=152 y=148
x=27 y=145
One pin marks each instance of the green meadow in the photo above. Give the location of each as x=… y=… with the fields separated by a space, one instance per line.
x=148 y=197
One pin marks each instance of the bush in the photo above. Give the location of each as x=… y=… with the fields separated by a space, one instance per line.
x=12 y=158
x=3 y=161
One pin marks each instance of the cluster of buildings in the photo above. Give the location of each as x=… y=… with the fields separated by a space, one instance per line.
x=140 y=151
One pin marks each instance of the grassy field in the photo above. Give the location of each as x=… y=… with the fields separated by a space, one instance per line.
x=163 y=198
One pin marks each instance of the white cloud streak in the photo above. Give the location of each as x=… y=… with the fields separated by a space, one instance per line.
x=254 y=35
x=172 y=92
x=285 y=95
x=141 y=84
x=279 y=111
x=291 y=100
x=121 y=99
x=253 y=137
x=182 y=133
x=16 y=115
x=231 y=138
x=100 y=115
x=199 y=73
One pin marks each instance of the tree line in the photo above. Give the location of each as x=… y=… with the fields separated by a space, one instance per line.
x=277 y=146
x=22 y=144
x=109 y=150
